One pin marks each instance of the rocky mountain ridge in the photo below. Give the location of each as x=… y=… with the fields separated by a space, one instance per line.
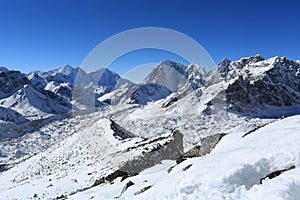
x=250 y=85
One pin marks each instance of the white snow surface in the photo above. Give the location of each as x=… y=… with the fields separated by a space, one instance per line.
x=231 y=171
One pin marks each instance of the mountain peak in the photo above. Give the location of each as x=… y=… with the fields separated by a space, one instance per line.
x=224 y=62
x=174 y=65
x=194 y=66
x=3 y=69
x=168 y=62
x=68 y=69
x=251 y=59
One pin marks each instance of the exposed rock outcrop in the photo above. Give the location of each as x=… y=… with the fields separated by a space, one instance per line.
x=120 y=132
x=207 y=145
x=275 y=174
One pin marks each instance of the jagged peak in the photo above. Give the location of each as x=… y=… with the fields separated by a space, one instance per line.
x=34 y=74
x=168 y=62
x=175 y=65
x=68 y=69
x=258 y=56
x=195 y=72
x=223 y=65
x=105 y=70
x=224 y=62
x=3 y=69
x=251 y=59
x=10 y=71
x=194 y=66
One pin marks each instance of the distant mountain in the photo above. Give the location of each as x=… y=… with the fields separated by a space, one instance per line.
x=166 y=78
x=144 y=93
x=249 y=85
x=259 y=86
x=11 y=81
x=39 y=94
x=175 y=75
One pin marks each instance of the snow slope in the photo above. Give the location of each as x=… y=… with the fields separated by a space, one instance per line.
x=80 y=161
x=232 y=171
x=32 y=103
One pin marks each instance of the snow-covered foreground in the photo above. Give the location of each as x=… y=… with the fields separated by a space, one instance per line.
x=233 y=170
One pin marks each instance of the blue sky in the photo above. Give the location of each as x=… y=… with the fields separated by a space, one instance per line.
x=40 y=35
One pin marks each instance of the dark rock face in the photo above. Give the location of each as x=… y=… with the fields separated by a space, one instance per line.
x=187 y=167
x=194 y=152
x=278 y=87
x=119 y=132
x=11 y=81
x=127 y=185
x=3 y=167
x=154 y=151
x=64 y=91
x=143 y=190
x=275 y=174
x=258 y=86
x=207 y=145
x=111 y=177
x=253 y=130
x=170 y=102
x=62 y=197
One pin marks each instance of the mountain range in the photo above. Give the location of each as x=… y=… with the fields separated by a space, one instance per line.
x=183 y=133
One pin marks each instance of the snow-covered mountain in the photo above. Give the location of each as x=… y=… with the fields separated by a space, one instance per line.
x=11 y=81
x=62 y=80
x=175 y=75
x=166 y=78
x=29 y=101
x=251 y=82
x=138 y=94
x=256 y=85
x=41 y=94
x=184 y=133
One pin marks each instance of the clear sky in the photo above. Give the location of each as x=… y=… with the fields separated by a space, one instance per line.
x=40 y=35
